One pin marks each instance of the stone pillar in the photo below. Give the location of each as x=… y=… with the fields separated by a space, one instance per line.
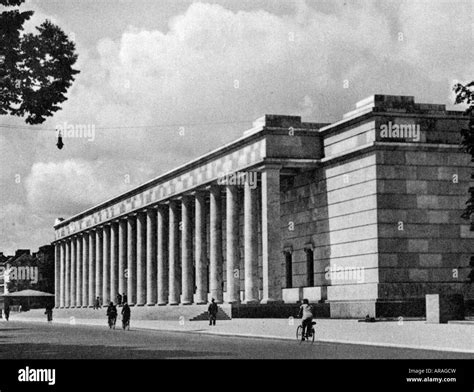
x=271 y=235
x=131 y=273
x=106 y=264
x=72 y=267
x=151 y=277
x=62 y=273
x=141 y=259
x=162 y=254
x=79 y=270
x=122 y=256
x=57 y=273
x=85 y=269
x=232 y=244
x=67 y=274
x=173 y=252
x=92 y=263
x=98 y=262
x=201 y=247
x=113 y=261
x=216 y=244
x=187 y=281
x=250 y=243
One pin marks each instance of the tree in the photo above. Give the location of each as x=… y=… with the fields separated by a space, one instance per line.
x=35 y=69
x=465 y=94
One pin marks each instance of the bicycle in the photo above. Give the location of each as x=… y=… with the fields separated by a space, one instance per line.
x=311 y=335
x=112 y=321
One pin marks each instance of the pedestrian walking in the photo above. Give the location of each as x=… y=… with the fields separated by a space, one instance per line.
x=126 y=316
x=212 y=310
x=124 y=298
x=6 y=311
x=119 y=299
x=49 y=313
x=97 y=303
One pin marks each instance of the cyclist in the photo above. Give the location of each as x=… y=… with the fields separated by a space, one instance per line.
x=306 y=314
x=125 y=316
x=112 y=314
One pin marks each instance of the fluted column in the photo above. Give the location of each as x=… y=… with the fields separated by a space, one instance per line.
x=141 y=259
x=173 y=252
x=122 y=257
x=216 y=244
x=57 y=273
x=85 y=269
x=151 y=277
x=79 y=270
x=271 y=235
x=201 y=247
x=72 y=284
x=114 y=261
x=98 y=262
x=187 y=281
x=67 y=274
x=132 y=260
x=250 y=243
x=162 y=225
x=92 y=263
x=62 y=272
x=106 y=264
x=232 y=244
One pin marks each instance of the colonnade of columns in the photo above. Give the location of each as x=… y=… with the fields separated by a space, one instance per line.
x=158 y=255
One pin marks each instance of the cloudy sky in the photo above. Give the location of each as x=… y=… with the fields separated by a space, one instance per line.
x=165 y=81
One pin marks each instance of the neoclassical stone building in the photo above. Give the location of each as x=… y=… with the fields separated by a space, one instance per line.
x=363 y=214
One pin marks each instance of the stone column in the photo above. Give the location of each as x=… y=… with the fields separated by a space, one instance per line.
x=162 y=254
x=62 y=272
x=216 y=244
x=57 y=273
x=201 y=247
x=113 y=261
x=106 y=264
x=79 y=270
x=72 y=266
x=250 y=243
x=271 y=235
x=151 y=277
x=131 y=273
x=232 y=244
x=92 y=263
x=173 y=252
x=67 y=274
x=98 y=262
x=122 y=256
x=187 y=281
x=85 y=269
x=141 y=259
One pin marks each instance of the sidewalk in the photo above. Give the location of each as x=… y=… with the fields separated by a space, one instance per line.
x=406 y=334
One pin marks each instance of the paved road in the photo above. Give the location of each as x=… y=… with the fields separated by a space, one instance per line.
x=22 y=340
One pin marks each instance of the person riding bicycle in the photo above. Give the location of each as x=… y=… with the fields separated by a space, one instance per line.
x=125 y=315
x=306 y=314
x=112 y=314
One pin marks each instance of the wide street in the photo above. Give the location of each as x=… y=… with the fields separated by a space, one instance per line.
x=30 y=340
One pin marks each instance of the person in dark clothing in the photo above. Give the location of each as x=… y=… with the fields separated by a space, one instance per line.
x=124 y=298
x=112 y=315
x=119 y=299
x=6 y=311
x=49 y=313
x=126 y=316
x=97 y=303
x=213 y=309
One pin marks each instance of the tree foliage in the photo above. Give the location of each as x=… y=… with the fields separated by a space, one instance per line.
x=465 y=95
x=36 y=69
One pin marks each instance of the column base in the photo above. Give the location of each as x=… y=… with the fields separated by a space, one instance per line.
x=163 y=304
x=203 y=302
x=151 y=304
x=251 y=302
x=271 y=301
x=186 y=303
x=140 y=304
x=173 y=304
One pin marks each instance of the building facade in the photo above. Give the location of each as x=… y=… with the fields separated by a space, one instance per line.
x=363 y=214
